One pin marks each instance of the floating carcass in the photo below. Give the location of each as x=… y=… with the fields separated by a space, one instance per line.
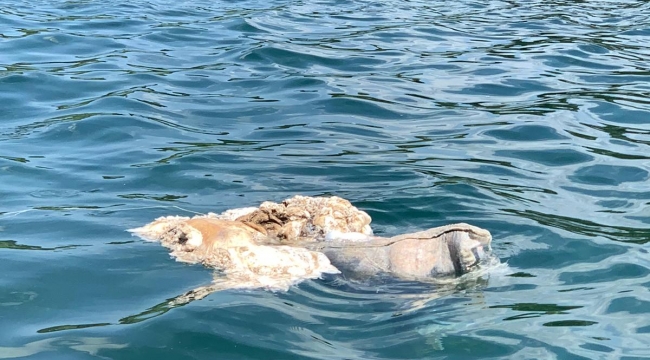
x=280 y=244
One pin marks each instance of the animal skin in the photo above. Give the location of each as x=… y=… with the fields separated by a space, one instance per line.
x=277 y=245
x=446 y=250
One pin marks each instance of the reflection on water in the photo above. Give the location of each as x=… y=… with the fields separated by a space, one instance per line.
x=62 y=345
x=527 y=118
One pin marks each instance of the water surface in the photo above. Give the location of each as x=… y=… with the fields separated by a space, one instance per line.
x=528 y=118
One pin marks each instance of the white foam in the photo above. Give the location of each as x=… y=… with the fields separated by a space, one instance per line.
x=348 y=236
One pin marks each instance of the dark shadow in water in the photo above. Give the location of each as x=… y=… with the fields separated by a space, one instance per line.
x=570 y=323
x=16 y=159
x=521 y=274
x=532 y=310
x=166 y=197
x=120 y=242
x=620 y=132
x=171 y=303
x=14 y=245
x=545 y=309
x=66 y=207
x=69 y=327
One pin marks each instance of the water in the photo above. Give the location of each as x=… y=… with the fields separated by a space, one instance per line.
x=528 y=118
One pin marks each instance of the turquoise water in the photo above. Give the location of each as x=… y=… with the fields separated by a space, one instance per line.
x=528 y=118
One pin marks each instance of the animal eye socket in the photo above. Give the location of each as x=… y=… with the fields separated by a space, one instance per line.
x=182 y=239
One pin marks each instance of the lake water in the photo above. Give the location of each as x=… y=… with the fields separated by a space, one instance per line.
x=528 y=118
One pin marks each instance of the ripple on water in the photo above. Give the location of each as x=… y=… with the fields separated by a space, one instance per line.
x=609 y=175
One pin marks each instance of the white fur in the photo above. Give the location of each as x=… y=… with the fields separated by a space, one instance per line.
x=194 y=238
